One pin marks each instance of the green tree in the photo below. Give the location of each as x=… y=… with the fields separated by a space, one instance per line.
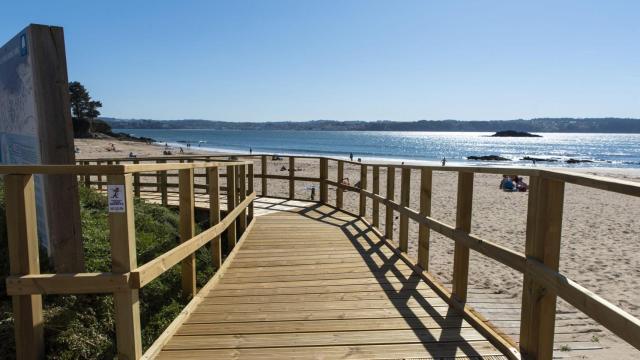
x=84 y=110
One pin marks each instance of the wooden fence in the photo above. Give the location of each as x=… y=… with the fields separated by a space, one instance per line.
x=27 y=285
x=539 y=264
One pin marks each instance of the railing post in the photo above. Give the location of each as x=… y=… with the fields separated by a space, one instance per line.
x=339 y=190
x=324 y=174
x=242 y=185
x=405 y=192
x=214 y=214
x=163 y=184
x=388 y=222
x=292 y=174
x=99 y=177
x=544 y=230
x=463 y=223
x=264 y=171
x=23 y=257
x=136 y=181
x=231 y=204
x=187 y=230
x=376 y=190
x=425 y=210
x=87 y=178
x=363 y=186
x=250 y=178
x=123 y=259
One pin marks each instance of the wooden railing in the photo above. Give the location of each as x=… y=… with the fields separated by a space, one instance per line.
x=539 y=264
x=27 y=285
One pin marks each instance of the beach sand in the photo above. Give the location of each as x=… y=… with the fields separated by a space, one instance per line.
x=600 y=234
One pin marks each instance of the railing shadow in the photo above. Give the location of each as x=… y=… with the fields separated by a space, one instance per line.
x=369 y=245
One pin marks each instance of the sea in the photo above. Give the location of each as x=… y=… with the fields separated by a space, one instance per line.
x=599 y=150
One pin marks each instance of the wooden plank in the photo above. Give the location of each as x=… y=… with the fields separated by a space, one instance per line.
x=265 y=172
x=464 y=208
x=292 y=174
x=339 y=190
x=362 y=212
x=324 y=174
x=282 y=327
x=388 y=223
x=327 y=338
x=55 y=145
x=398 y=351
x=544 y=229
x=136 y=181
x=187 y=231
x=23 y=260
x=82 y=283
x=425 y=210
x=214 y=215
x=375 y=214
x=405 y=194
x=123 y=259
x=231 y=204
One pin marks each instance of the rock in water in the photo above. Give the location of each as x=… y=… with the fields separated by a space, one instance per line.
x=513 y=133
x=488 y=158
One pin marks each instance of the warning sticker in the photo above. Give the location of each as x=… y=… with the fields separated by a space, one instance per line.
x=116 y=198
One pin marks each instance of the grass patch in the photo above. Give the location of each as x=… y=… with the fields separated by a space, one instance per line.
x=82 y=326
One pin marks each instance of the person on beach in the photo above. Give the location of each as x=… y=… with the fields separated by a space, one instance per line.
x=250 y=150
x=132 y=155
x=351 y=156
x=444 y=161
x=181 y=151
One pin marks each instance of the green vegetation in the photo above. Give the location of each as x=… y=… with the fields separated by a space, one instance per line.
x=82 y=326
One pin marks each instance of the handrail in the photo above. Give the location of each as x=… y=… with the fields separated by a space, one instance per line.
x=126 y=277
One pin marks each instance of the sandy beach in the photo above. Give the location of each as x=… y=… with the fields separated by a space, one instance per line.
x=600 y=241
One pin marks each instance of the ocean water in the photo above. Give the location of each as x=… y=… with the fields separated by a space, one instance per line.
x=605 y=150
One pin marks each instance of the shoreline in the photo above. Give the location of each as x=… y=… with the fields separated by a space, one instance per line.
x=97 y=148
x=598 y=250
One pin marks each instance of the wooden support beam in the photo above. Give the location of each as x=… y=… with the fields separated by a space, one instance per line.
x=136 y=181
x=324 y=174
x=376 y=190
x=98 y=163
x=163 y=185
x=264 y=171
x=73 y=283
x=388 y=222
x=87 y=177
x=292 y=174
x=242 y=194
x=187 y=230
x=214 y=214
x=23 y=258
x=339 y=190
x=363 y=186
x=250 y=189
x=425 y=210
x=544 y=229
x=231 y=204
x=123 y=259
x=405 y=194
x=463 y=223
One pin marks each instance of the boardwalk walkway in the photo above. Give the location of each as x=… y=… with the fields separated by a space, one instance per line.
x=318 y=283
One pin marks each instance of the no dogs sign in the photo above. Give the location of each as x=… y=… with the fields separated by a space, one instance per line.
x=116 y=198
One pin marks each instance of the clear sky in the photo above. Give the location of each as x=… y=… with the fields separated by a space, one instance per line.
x=348 y=60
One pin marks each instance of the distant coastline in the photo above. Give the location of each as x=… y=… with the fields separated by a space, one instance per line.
x=557 y=125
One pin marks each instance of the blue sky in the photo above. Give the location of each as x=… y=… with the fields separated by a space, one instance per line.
x=347 y=60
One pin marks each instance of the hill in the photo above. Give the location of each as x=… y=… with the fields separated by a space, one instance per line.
x=595 y=125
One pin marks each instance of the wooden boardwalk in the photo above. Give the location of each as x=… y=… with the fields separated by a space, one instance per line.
x=318 y=283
